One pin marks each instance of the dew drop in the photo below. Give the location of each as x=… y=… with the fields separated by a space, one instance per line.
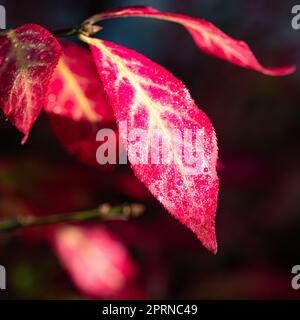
x=42 y=55
x=179 y=183
x=160 y=198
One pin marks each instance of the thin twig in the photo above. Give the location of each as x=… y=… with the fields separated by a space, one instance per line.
x=86 y=29
x=103 y=212
x=68 y=32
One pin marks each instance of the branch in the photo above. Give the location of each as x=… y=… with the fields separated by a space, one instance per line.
x=68 y=32
x=86 y=29
x=103 y=212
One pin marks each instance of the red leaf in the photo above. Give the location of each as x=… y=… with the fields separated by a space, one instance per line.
x=77 y=105
x=28 y=56
x=97 y=262
x=146 y=96
x=206 y=36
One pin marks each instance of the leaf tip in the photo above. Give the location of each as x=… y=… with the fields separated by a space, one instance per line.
x=211 y=243
x=24 y=140
x=207 y=235
x=281 y=71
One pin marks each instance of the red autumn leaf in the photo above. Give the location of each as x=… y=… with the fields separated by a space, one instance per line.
x=97 y=262
x=206 y=36
x=77 y=105
x=28 y=56
x=144 y=95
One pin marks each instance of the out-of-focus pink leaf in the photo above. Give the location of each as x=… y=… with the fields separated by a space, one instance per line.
x=207 y=37
x=28 y=56
x=97 y=262
x=77 y=105
x=144 y=95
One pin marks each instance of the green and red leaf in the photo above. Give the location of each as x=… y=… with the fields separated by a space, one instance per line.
x=145 y=96
x=207 y=37
x=77 y=105
x=28 y=57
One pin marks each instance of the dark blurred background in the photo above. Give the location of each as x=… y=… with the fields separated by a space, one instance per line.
x=256 y=118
